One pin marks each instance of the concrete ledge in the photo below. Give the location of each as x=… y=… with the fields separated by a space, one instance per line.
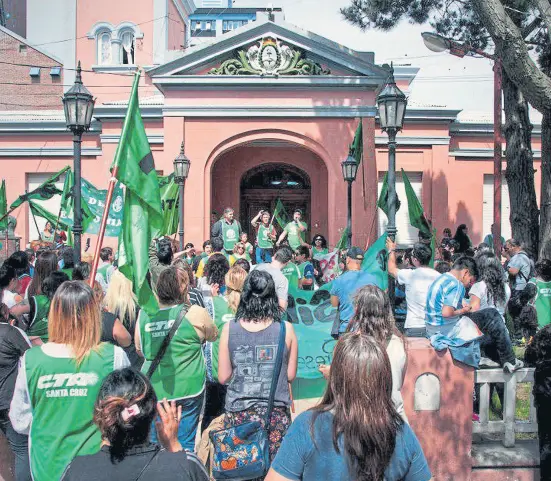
x=515 y=474
x=494 y=455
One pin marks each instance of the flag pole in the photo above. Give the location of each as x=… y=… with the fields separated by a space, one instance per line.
x=111 y=188
x=36 y=224
x=103 y=225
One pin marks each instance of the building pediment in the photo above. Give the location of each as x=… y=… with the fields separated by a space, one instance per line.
x=265 y=48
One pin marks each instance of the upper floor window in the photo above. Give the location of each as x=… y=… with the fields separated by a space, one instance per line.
x=228 y=25
x=115 y=45
x=203 y=28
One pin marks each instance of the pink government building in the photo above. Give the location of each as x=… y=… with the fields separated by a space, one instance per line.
x=266 y=110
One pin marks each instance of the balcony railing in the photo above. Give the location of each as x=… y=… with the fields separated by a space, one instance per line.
x=509 y=426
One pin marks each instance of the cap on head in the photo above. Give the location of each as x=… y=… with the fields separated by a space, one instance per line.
x=297 y=211
x=355 y=253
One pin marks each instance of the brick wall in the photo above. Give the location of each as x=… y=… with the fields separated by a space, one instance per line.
x=40 y=93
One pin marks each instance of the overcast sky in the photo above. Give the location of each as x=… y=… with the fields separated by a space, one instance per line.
x=443 y=79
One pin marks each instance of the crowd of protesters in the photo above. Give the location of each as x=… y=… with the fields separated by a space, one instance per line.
x=94 y=387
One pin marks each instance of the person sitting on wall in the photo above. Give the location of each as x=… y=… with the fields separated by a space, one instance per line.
x=446 y=305
x=228 y=230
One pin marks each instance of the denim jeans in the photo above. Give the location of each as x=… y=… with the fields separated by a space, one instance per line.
x=496 y=342
x=263 y=255
x=191 y=410
x=19 y=444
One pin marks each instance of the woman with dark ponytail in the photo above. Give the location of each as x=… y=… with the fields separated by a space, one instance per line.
x=355 y=431
x=124 y=411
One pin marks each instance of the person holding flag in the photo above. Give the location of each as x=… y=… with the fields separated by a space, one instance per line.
x=294 y=231
x=228 y=229
x=265 y=237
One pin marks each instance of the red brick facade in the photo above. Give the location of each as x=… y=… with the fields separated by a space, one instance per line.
x=20 y=91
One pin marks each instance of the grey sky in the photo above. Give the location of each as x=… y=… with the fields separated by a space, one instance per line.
x=443 y=79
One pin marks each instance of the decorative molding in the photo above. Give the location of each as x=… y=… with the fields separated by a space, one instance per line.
x=119 y=111
x=114 y=68
x=483 y=153
x=431 y=114
x=269 y=56
x=267 y=111
x=47 y=152
x=314 y=45
x=217 y=82
x=115 y=138
x=382 y=140
x=114 y=30
x=37 y=127
x=460 y=129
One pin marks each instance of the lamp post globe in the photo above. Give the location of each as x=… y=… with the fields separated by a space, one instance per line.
x=181 y=171
x=78 y=105
x=436 y=43
x=349 y=171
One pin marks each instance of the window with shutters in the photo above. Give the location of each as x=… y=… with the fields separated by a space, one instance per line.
x=115 y=45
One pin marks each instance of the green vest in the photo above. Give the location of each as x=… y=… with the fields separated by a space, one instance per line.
x=316 y=252
x=102 y=271
x=69 y=272
x=181 y=372
x=292 y=273
x=230 y=234
x=233 y=258
x=39 y=323
x=62 y=397
x=222 y=315
x=263 y=237
x=294 y=235
x=543 y=302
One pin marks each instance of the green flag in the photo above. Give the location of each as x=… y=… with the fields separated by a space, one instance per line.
x=357 y=147
x=44 y=191
x=169 y=202
x=3 y=206
x=279 y=214
x=39 y=211
x=343 y=241
x=143 y=217
x=416 y=214
x=382 y=203
x=67 y=202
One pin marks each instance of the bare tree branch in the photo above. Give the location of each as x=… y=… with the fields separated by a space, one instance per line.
x=512 y=49
x=545 y=10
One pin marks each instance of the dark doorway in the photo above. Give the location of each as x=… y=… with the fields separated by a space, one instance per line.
x=263 y=185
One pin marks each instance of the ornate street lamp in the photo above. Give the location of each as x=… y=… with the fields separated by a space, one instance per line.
x=78 y=104
x=349 y=171
x=181 y=171
x=391 y=104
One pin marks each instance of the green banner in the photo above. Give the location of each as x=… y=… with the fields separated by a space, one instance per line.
x=313 y=316
x=95 y=199
x=169 y=204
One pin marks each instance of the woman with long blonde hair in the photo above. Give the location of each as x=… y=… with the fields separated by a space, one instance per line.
x=121 y=300
x=58 y=383
x=225 y=308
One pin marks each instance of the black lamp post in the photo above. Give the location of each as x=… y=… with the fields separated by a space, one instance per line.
x=181 y=171
x=78 y=104
x=391 y=104
x=349 y=171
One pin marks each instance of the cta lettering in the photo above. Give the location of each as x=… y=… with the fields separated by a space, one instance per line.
x=61 y=385
x=159 y=328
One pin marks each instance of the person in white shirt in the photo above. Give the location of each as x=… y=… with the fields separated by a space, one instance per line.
x=417 y=282
x=8 y=284
x=492 y=290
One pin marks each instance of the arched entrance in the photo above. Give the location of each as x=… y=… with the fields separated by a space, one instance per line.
x=251 y=176
x=262 y=186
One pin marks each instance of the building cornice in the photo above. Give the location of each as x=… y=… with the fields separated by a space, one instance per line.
x=108 y=112
x=154 y=139
x=210 y=82
x=267 y=111
x=482 y=153
x=481 y=129
x=47 y=152
x=37 y=127
x=382 y=140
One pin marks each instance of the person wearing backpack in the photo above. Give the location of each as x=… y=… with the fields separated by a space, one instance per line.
x=520 y=269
